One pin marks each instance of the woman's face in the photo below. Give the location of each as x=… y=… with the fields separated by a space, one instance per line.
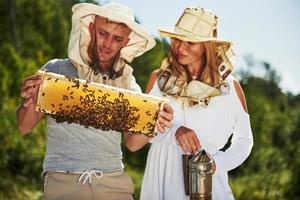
x=187 y=53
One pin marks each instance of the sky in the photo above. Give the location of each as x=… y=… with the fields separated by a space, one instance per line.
x=266 y=29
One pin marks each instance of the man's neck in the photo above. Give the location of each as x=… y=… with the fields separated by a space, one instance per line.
x=105 y=66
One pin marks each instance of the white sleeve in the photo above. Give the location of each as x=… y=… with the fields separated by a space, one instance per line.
x=240 y=148
x=241 y=143
x=129 y=80
x=133 y=85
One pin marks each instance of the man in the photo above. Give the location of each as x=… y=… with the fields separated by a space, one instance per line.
x=86 y=163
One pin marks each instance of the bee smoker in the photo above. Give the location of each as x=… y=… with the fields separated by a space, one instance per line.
x=185 y=166
x=200 y=176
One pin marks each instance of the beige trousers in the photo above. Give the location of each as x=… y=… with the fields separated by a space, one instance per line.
x=111 y=186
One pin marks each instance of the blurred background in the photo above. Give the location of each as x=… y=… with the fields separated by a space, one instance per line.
x=265 y=34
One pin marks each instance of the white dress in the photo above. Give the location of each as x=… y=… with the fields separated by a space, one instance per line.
x=163 y=177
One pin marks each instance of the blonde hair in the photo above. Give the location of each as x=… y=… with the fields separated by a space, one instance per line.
x=209 y=71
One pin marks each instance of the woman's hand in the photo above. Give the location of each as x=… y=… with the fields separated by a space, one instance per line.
x=188 y=140
x=214 y=167
x=29 y=90
x=165 y=117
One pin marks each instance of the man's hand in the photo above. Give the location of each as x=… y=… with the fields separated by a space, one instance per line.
x=29 y=90
x=188 y=140
x=26 y=115
x=165 y=117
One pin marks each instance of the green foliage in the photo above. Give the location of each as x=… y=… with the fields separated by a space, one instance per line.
x=33 y=32
x=145 y=64
x=271 y=171
x=136 y=175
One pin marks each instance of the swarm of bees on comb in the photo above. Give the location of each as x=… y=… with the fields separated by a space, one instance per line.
x=100 y=106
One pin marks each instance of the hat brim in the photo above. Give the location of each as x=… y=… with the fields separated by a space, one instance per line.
x=105 y=12
x=190 y=38
x=83 y=14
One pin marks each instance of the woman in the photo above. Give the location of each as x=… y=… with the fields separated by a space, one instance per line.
x=209 y=109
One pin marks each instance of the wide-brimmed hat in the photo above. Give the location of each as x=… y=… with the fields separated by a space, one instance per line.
x=198 y=24
x=84 y=13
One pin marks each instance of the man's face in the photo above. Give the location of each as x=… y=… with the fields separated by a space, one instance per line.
x=110 y=38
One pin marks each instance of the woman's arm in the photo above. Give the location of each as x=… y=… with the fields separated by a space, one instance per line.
x=152 y=80
x=242 y=140
x=240 y=94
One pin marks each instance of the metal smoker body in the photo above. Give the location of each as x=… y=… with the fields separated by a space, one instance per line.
x=200 y=176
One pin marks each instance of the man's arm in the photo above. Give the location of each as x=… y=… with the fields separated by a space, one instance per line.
x=27 y=117
x=135 y=142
